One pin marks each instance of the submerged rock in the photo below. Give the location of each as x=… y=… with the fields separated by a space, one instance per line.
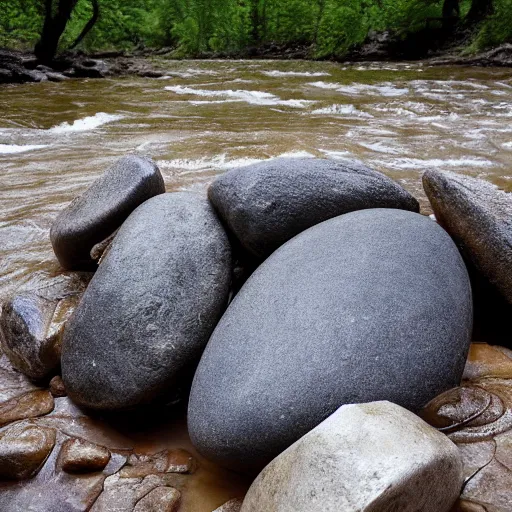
x=148 y=312
x=366 y=458
x=478 y=216
x=24 y=449
x=371 y=305
x=30 y=332
x=268 y=203
x=103 y=207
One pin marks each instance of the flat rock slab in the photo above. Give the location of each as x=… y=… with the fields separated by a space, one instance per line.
x=148 y=312
x=268 y=203
x=29 y=405
x=478 y=216
x=102 y=208
x=364 y=458
x=371 y=305
x=478 y=418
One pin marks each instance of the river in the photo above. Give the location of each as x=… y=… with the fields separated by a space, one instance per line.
x=204 y=117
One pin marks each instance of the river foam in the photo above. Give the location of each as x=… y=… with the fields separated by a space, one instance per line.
x=86 y=123
x=252 y=97
x=222 y=162
x=276 y=73
x=10 y=149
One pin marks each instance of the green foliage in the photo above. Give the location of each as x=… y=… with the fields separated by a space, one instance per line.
x=195 y=27
x=497 y=28
x=20 y=22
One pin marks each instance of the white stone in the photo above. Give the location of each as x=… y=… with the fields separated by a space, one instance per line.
x=373 y=457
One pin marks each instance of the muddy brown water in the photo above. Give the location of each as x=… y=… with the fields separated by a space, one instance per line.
x=205 y=117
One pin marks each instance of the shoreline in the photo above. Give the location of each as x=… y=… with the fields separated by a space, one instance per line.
x=17 y=67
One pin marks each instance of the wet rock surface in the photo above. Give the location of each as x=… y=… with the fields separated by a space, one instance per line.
x=24 y=449
x=29 y=405
x=478 y=418
x=135 y=494
x=371 y=305
x=151 y=306
x=57 y=388
x=30 y=332
x=268 y=203
x=368 y=457
x=231 y=506
x=79 y=456
x=102 y=208
x=166 y=461
x=18 y=67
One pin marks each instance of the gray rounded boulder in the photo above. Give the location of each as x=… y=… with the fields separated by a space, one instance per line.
x=102 y=208
x=150 y=308
x=371 y=305
x=268 y=203
x=478 y=216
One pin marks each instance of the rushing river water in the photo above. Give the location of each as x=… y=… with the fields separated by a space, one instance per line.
x=206 y=117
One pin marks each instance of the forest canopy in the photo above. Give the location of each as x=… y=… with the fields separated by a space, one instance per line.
x=195 y=27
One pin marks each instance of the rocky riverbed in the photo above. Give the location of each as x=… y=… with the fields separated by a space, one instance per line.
x=313 y=283
x=365 y=301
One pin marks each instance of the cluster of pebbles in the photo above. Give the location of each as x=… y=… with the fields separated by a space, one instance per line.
x=317 y=325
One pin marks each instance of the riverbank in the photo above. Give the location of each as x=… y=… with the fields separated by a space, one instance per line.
x=22 y=67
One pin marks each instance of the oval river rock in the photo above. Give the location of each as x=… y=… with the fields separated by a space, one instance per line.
x=151 y=306
x=104 y=206
x=371 y=305
x=268 y=203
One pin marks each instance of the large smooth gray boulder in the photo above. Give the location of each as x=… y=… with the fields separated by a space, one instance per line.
x=478 y=216
x=371 y=457
x=268 y=203
x=151 y=306
x=371 y=305
x=102 y=208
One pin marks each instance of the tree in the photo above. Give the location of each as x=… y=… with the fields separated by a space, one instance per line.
x=479 y=10
x=55 y=21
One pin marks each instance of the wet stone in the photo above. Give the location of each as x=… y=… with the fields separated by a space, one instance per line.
x=12 y=382
x=479 y=218
x=24 y=449
x=57 y=388
x=161 y=499
x=80 y=456
x=30 y=337
x=151 y=307
x=30 y=405
x=53 y=490
x=103 y=207
x=233 y=505
x=166 y=461
x=268 y=203
x=125 y=493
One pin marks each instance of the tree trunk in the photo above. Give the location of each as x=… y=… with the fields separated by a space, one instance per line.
x=53 y=28
x=451 y=13
x=479 y=10
x=255 y=22
x=90 y=24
